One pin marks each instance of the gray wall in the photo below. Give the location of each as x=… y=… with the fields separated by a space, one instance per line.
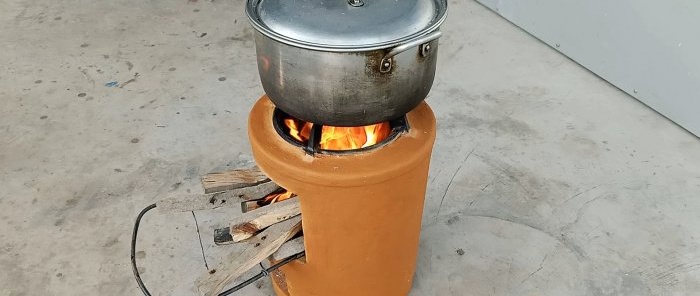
x=649 y=49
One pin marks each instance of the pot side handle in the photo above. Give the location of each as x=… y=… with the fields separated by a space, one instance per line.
x=386 y=64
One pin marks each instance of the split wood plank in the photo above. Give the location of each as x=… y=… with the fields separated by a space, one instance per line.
x=222 y=236
x=249 y=205
x=230 y=198
x=256 y=250
x=250 y=223
x=288 y=249
x=234 y=179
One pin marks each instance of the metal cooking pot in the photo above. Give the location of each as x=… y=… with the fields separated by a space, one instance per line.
x=347 y=62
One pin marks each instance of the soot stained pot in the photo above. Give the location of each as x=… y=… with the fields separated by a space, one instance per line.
x=347 y=62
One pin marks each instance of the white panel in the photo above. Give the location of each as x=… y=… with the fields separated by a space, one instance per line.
x=649 y=49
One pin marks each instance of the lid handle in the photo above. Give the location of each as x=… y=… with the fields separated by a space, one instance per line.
x=356 y=3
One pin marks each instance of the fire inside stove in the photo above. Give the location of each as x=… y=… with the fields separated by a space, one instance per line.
x=340 y=138
x=317 y=138
x=276 y=197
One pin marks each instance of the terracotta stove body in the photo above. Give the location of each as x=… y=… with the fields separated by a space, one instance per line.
x=361 y=211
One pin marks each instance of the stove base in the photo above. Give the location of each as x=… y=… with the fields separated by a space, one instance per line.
x=361 y=211
x=279 y=284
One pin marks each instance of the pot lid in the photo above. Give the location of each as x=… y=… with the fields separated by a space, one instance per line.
x=345 y=24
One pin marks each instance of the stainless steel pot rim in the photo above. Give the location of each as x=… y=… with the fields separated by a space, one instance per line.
x=260 y=27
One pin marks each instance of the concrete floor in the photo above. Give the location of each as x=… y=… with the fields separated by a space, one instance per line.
x=554 y=182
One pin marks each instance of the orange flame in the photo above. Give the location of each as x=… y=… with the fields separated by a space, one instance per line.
x=301 y=135
x=341 y=138
x=277 y=197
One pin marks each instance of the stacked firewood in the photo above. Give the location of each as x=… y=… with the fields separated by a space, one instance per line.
x=267 y=231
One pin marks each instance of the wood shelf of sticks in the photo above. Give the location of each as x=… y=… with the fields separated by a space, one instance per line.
x=269 y=228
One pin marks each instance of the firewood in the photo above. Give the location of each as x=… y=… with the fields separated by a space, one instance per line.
x=255 y=251
x=229 y=198
x=249 y=205
x=239 y=178
x=290 y=248
x=250 y=223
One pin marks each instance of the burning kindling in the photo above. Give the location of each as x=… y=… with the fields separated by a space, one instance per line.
x=340 y=138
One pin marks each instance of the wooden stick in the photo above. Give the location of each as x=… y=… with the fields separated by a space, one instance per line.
x=222 y=236
x=292 y=247
x=230 y=198
x=249 y=205
x=256 y=250
x=239 y=178
x=250 y=223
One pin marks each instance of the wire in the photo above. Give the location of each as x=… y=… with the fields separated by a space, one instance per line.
x=247 y=282
x=263 y=273
x=133 y=249
x=201 y=246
